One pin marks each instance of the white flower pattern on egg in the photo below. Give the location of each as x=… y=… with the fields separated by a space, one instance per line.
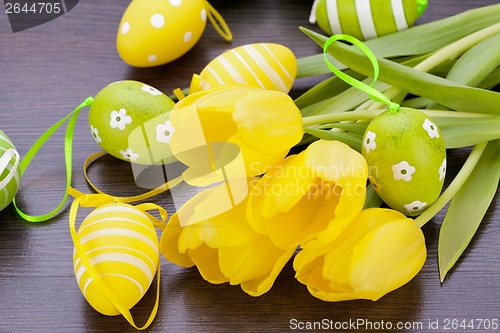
x=431 y=128
x=176 y=3
x=442 y=170
x=151 y=90
x=128 y=154
x=119 y=119
x=403 y=171
x=415 y=206
x=95 y=134
x=369 y=142
x=164 y=132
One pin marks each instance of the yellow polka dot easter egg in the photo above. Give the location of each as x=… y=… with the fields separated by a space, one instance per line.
x=406 y=156
x=130 y=120
x=156 y=32
x=121 y=244
x=264 y=65
x=10 y=171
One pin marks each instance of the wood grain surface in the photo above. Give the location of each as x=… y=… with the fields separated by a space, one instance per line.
x=45 y=72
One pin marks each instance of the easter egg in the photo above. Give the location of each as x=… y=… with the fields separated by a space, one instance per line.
x=265 y=65
x=10 y=171
x=365 y=19
x=130 y=121
x=155 y=32
x=406 y=156
x=121 y=245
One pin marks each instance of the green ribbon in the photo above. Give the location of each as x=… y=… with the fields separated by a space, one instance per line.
x=374 y=93
x=68 y=148
x=421 y=6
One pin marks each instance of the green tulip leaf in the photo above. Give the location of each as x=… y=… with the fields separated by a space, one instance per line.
x=464 y=132
x=350 y=139
x=468 y=207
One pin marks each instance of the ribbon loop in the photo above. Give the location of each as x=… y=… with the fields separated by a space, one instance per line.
x=147 y=195
x=159 y=223
x=68 y=147
x=218 y=22
x=372 y=92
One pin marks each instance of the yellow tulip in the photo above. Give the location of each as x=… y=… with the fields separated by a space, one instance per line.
x=298 y=199
x=251 y=128
x=222 y=246
x=378 y=252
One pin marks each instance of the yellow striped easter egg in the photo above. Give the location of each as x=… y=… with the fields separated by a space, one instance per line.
x=121 y=244
x=10 y=171
x=264 y=65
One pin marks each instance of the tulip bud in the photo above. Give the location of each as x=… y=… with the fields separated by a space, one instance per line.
x=378 y=252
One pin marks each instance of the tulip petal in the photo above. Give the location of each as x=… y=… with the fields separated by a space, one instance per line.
x=256 y=264
x=264 y=116
x=207 y=262
x=169 y=244
x=337 y=162
x=260 y=286
x=257 y=161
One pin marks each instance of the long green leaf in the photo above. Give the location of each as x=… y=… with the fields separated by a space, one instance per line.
x=468 y=207
x=450 y=94
x=491 y=80
x=477 y=62
x=416 y=40
x=350 y=139
x=342 y=102
x=324 y=90
x=464 y=132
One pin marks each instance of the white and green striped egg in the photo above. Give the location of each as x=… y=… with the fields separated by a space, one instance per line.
x=130 y=120
x=366 y=19
x=10 y=171
x=262 y=65
x=121 y=244
x=406 y=156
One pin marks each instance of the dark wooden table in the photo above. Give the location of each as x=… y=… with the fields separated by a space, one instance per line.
x=47 y=71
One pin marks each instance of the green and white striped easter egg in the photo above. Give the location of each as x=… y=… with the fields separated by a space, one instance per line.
x=366 y=19
x=10 y=171
x=121 y=244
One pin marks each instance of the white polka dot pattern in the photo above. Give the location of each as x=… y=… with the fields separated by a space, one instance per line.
x=155 y=32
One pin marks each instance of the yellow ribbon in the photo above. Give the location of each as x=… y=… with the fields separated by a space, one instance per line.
x=218 y=22
x=160 y=189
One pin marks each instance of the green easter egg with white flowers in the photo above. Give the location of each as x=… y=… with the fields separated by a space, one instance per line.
x=130 y=120
x=406 y=156
x=10 y=171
